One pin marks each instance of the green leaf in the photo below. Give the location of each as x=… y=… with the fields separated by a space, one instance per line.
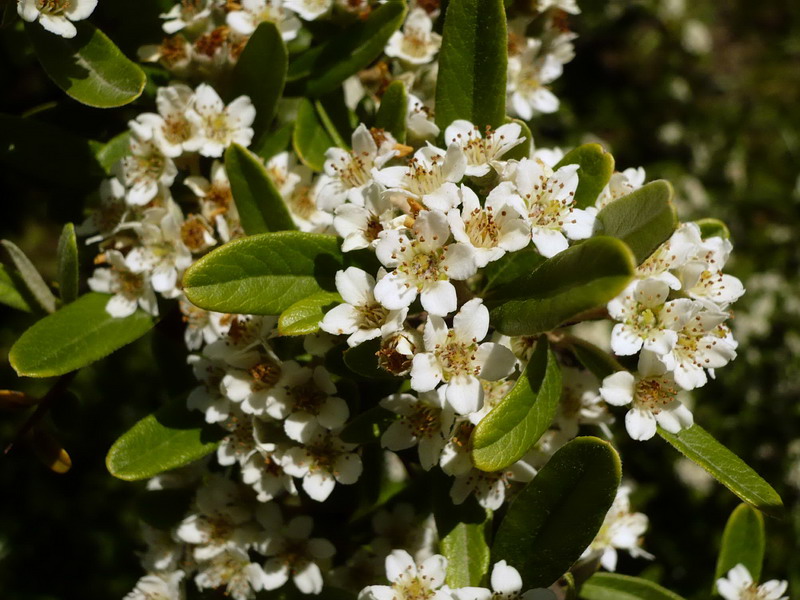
x=329 y=125
x=743 y=542
x=598 y=361
x=510 y=267
x=303 y=317
x=524 y=149
x=467 y=554
x=115 y=149
x=310 y=139
x=264 y=274
x=696 y=444
x=9 y=292
x=473 y=61
x=25 y=143
x=391 y=115
x=260 y=73
x=169 y=438
x=610 y=586
x=368 y=426
x=31 y=277
x=513 y=426
x=273 y=143
x=74 y=336
x=713 y=228
x=88 y=67
x=260 y=204
x=348 y=51
x=557 y=515
x=596 y=167
x=583 y=277
x=68 y=270
x=644 y=219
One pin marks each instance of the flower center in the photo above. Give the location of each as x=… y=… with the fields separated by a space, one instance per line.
x=654 y=393
x=265 y=375
x=457 y=357
x=482 y=228
x=308 y=397
x=422 y=179
x=355 y=171
x=53 y=7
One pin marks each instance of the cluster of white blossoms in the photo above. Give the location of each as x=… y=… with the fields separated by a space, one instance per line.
x=674 y=317
x=409 y=580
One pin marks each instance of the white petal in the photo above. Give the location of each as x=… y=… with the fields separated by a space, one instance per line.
x=438 y=298
x=640 y=423
x=548 y=242
x=505 y=578
x=276 y=574
x=472 y=321
x=464 y=393
x=319 y=485
x=355 y=286
x=308 y=579
x=617 y=389
x=496 y=361
x=435 y=333
x=399 y=562
x=426 y=373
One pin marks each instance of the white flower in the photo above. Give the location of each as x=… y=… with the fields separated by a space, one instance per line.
x=218 y=125
x=621 y=530
x=547 y=198
x=321 y=463
x=208 y=397
x=254 y=12
x=56 y=16
x=418 y=120
x=162 y=255
x=410 y=580
x=232 y=570
x=417 y=43
x=430 y=177
x=171 y=130
x=581 y=403
x=193 y=14
x=684 y=243
x=361 y=316
x=528 y=75
x=646 y=319
x=143 y=170
x=620 y=185
x=292 y=552
x=704 y=343
x=490 y=487
x=361 y=226
x=491 y=230
x=348 y=172
x=423 y=265
x=310 y=10
x=738 y=584
x=569 y=6
x=403 y=528
x=296 y=184
x=263 y=469
x=304 y=399
x=131 y=290
x=105 y=220
x=506 y=585
x=164 y=586
x=425 y=420
x=701 y=275
x=252 y=382
x=216 y=201
x=483 y=152
x=457 y=357
x=651 y=396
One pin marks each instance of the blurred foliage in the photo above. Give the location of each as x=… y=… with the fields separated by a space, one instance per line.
x=703 y=94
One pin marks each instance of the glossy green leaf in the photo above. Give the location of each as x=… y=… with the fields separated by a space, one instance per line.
x=581 y=278
x=473 y=61
x=599 y=362
x=368 y=426
x=264 y=274
x=524 y=149
x=743 y=542
x=644 y=219
x=348 y=51
x=115 y=149
x=303 y=317
x=273 y=143
x=596 y=167
x=510 y=267
x=329 y=125
x=513 y=426
x=10 y=293
x=713 y=228
x=30 y=276
x=467 y=554
x=696 y=444
x=611 y=586
x=24 y=143
x=310 y=139
x=88 y=67
x=75 y=336
x=68 y=269
x=169 y=438
x=391 y=115
x=557 y=515
x=260 y=204
x=260 y=73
